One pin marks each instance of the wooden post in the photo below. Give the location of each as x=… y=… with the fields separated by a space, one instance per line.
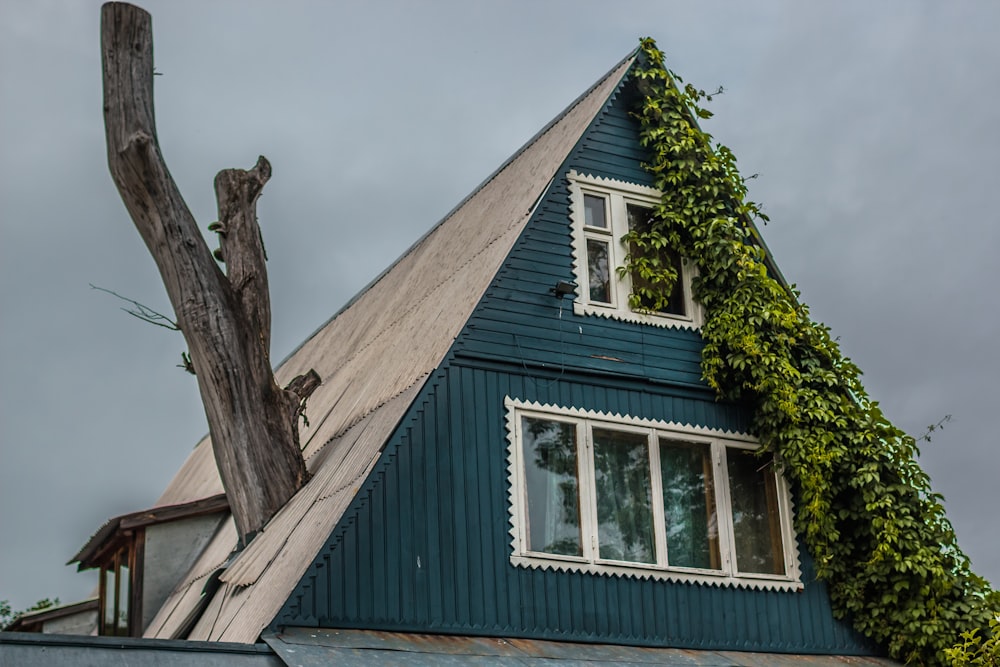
x=225 y=318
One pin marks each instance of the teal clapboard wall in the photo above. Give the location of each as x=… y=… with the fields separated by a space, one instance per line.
x=425 y=544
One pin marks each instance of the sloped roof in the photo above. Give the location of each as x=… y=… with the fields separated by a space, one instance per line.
x=33 y=621
x=373 y=356
x=94 y=551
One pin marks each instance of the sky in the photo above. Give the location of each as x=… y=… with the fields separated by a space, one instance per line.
x=872 y=128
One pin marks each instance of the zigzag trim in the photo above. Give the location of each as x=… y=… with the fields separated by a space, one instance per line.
x=621 y=313
x=521 y=557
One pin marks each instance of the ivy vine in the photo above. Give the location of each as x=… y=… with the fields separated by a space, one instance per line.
x=864 y=507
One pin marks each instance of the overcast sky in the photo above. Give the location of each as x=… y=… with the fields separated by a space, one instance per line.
x=873 y=126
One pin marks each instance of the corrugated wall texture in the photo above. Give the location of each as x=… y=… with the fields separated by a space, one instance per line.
x=521 y=321
x=425 y=545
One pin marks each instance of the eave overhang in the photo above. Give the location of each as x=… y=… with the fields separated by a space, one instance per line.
x=114 y=530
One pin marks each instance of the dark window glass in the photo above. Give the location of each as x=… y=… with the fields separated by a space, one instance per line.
x=639 y=219
x=756 y=524
x=689 y=505
x=599 y=271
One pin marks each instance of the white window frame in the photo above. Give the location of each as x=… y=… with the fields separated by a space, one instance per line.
x=720 y=442
x=618 y=195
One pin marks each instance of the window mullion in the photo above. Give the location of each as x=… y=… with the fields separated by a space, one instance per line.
x=521 y=487
x=785 y=521
x=102 y=623
x=619 y=227
x=724 y=509
x=656 y=481
x=588 y=493
x=118 y=583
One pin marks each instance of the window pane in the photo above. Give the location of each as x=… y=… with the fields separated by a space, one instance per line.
x=639 y=219
x=109 y=601
x=624 y=506
x=124 y=586
x=689 y=505
x=594 y=212
x=598 y=266
x=756 y=523
x=550 y=473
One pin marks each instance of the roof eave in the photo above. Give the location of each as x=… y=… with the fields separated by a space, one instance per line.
x=90 y=555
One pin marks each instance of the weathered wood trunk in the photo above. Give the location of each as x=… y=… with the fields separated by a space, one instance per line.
x=225 y=319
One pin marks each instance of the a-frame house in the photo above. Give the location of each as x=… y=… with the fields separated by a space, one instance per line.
x=507 y=460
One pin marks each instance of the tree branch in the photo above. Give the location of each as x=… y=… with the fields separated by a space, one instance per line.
x=240 y=242
x=142 y=311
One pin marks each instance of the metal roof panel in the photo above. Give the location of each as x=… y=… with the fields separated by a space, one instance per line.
x=306 y=647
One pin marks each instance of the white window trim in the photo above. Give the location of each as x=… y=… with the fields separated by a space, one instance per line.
x=619 y=194
x=521 y=556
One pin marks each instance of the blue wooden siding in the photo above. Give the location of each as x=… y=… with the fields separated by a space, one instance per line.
x=425 y=544
x=520 y=321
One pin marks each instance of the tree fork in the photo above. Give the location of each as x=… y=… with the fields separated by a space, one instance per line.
x=225 y=319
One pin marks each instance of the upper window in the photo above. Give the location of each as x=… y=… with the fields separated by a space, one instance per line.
x=619 y=495
x=604 y=211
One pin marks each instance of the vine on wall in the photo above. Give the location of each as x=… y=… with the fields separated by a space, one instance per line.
x=865 y=509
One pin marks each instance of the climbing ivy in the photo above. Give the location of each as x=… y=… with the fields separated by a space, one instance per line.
x=864 y=507
x=975 y=651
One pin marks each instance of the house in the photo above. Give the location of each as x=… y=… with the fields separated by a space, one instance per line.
x=509 y=460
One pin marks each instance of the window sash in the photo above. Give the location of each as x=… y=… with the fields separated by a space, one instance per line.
x=116 y=593
x=614 y=300
x=622 y=513
x=549 y=473
x=722 y=563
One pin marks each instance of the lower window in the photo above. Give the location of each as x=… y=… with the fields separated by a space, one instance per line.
x=116 y=593
x=612 y=494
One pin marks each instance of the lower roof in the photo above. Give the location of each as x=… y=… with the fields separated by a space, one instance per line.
x=43 y=650
x=306 y=647
x=32 y=621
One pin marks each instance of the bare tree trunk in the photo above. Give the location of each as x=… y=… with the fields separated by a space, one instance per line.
x=225 y=319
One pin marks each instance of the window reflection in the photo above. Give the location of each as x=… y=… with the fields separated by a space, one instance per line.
x=756 y=525
x=594 y=212
x=689 y=505
x=599 y=269
x=624 y=502
x=611 y=491
x=550 y=471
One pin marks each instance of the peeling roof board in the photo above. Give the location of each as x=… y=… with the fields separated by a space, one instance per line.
x=403 y=324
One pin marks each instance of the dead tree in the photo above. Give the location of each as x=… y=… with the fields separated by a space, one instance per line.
x=225 y=318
